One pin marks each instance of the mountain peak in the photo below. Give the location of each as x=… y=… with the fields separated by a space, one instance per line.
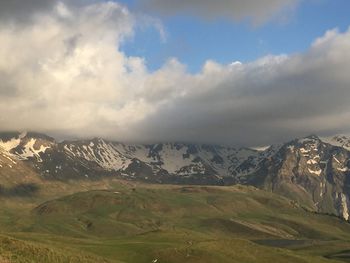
x=313 y=137
x=24 y=145
x=338 y=140
x=10 y=135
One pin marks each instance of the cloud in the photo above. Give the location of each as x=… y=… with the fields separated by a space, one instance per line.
x=64 y=69
x=275 y=98
x=64 y=73
x=19 y=10
x=257 y=11
x=23 y=12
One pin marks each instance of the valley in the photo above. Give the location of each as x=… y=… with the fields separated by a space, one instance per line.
x=137 y=222
x=100 y=201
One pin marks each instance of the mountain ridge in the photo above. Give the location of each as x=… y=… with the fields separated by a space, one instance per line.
x=311 y=170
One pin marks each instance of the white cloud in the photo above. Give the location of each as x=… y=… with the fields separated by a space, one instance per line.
x=63 y=70
x=64 y=73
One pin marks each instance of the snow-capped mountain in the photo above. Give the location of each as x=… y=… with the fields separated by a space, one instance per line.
x=314 y=171
x=338 y=140
x=310 y=170
x=164 y=162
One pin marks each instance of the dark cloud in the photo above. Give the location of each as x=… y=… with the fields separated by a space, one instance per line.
x=258 y=11
x=273 y=99
x=22 y=11
x=19 y=10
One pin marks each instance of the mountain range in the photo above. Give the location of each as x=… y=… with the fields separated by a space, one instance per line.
x=314 y=171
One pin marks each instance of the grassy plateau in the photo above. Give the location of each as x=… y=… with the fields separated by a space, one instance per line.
x=120 y=221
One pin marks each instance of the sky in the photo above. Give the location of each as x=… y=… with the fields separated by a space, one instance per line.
x=193 y=40
x=235 y=72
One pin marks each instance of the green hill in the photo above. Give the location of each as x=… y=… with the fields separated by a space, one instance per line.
x=13 y=250
x=153 y=223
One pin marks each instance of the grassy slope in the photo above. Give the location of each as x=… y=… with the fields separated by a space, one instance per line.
x=13 y=250
x=140 y=223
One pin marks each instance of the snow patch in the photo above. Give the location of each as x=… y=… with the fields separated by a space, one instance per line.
x=344 y=205
x=338 y=140
x=9 y=145
x=30 y=151
x=311 y=161
x=261 y=148
x=335 y=158
x=303 y=150
x=317 y=172
x=9 y=158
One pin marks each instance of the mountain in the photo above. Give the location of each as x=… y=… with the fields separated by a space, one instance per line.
x=313 y=171
x=162 y=163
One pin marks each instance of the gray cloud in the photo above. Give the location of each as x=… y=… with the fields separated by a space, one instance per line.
x=65 y=74
x=269 y=100
x=19 y=10
x=258 y=11
x=22 y=11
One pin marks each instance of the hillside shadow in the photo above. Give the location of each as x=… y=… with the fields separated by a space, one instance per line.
x=341 y=256
x=19 y=190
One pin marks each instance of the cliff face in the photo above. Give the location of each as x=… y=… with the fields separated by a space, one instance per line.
x=311 y=171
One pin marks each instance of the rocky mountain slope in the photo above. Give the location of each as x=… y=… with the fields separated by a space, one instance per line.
x=166 y=162
x=314 y=171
